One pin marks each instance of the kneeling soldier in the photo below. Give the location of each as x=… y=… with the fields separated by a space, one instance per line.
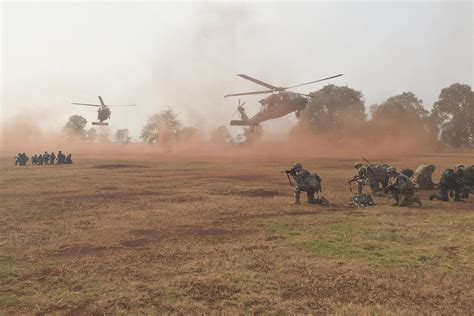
x=402 y=189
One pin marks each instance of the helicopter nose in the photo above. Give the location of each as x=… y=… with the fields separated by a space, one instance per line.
x=301 y=102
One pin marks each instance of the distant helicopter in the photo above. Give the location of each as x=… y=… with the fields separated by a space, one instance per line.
x=103 y=113
x=278 y=104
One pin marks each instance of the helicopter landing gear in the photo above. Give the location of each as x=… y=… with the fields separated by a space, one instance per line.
x=100 y=123
x=298 y=114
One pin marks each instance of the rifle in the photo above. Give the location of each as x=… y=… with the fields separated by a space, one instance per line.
x=288 y=172
x=355 y=178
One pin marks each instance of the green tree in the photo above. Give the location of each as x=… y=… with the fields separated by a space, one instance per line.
x=333 y=109
x=122 y=136
x=91 y=135
x=188 y=133
x=221 y=135
x=406 y=107
x=75 y=126
x=453 y=113
x=402 y=117
x=163 y=126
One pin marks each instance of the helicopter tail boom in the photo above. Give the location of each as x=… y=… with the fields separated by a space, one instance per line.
x=100 y=123
x=239 y=123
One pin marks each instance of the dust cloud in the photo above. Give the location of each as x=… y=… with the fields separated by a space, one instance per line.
x=23 y=134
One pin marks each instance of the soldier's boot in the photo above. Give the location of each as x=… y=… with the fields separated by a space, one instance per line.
x=456 y=196
x=311 y=198
x=416 y=200
x=297 y=197
x=397 y=199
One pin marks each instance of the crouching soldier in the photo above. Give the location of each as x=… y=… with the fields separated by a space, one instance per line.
x=423 y=177
x=372 y=175
x=450 y=180
x=467 y=181
x=402 y=189
x=305 y=182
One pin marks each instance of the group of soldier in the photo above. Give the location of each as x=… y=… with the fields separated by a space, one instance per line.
x=384 y=179
x=44 y=159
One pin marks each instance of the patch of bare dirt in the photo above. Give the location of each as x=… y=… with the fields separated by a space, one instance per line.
x=210 y=292
x=260 y=192
x=203 y=231
x=133 y=243
x=81 y=250
x=119 y=166
x=246 y=177
x=181 y=199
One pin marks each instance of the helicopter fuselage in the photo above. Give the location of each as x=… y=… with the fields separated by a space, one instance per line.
x=103 y=113
x=273 y=106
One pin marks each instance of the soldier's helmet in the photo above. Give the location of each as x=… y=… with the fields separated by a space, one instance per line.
x=358 y=164
x=297 y=166
x=459 y=167
x=431 y=167
x=391 y=170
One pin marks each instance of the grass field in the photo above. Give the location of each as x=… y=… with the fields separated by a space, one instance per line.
x=151 y=235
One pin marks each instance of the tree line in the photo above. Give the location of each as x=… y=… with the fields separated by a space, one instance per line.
x=333 y=111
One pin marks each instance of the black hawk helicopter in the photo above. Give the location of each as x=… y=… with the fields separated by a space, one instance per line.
x=278 y=104
x=103 y=113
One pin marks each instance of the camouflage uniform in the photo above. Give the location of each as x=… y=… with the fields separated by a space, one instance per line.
x=450 y=180
x=402 y=189
x=23 y=159
x=52 y=157
x=466 y=175
x=61 y=158
x=69 y=159
x=46 y=158
x=423 y=177
x=40 y=159
x=305 y=182
x=34 y=159
x=372 y=175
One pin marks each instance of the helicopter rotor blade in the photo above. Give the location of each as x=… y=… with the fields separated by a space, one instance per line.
x=250 y=93
x=122 y=105
x=266 y=85
x=101 y=101
x=303 y=84
x=86 y=104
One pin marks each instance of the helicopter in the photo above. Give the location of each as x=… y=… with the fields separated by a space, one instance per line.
x=103 y=113
x=280 y=103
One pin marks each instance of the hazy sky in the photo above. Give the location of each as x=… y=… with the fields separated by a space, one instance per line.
x=186 y=55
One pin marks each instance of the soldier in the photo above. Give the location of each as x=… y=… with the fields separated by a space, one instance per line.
x=423 y=177
x=17 y=159
x=372 y=175
x=34 y=159
x=408 y=172
x=46 y=158
x=40 y=159
x=23 y=159
x=52 y=157
x=402 y=189
x=69 y=159
x=61 y=158
x=305 y=182
x=467 y=179
x=450 y=180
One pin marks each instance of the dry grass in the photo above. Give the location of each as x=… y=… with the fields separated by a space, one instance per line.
x=146 y=236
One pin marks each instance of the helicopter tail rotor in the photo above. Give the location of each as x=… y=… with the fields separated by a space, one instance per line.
x=240 y=108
